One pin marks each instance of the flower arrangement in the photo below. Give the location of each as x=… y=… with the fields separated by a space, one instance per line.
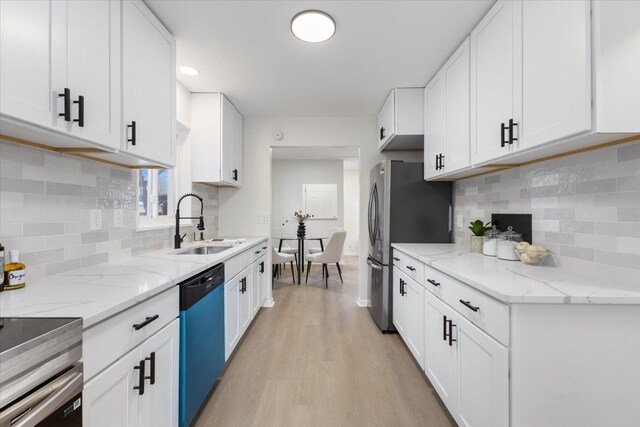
x=299 y=217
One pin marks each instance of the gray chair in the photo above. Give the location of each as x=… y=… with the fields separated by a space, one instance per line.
x=331 y=254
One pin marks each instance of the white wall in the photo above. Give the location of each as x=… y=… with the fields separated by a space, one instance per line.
x=238 y=207
x=287 y=179
x=351 y=211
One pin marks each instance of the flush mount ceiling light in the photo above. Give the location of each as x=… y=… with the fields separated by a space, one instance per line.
x=189 y=71
x=313 y=26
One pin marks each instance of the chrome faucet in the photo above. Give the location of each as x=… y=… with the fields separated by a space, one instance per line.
x=178 y=239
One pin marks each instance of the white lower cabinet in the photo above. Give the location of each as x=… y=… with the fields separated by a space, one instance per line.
x=258 y=283
x=414 y=304
x=231 y=314
x=244 y=302
x=398 y=306
x=141 y=388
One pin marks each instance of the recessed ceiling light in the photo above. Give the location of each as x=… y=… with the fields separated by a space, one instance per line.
x=313 y=26
x=189 y=71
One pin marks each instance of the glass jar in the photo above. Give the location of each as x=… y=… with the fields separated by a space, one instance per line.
x=507 y=242
x=490 y=242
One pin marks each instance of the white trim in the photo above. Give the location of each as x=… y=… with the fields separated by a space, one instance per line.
x=269 y=303
x=356 y=253
x=363 y=302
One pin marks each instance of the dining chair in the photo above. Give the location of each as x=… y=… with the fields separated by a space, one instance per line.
x=316 y=249
x=278 y=258
x=332 y=254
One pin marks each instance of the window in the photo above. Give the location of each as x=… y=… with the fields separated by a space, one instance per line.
x=155 y=197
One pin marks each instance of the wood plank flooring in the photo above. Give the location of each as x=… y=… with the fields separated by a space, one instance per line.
x=317 y=359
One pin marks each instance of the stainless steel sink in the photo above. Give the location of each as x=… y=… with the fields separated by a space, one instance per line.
x=205 y=250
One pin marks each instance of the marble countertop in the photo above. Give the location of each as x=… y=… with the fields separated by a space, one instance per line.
x=515 y=282
x=100 y=291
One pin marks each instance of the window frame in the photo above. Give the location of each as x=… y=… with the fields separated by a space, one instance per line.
x=155 y=221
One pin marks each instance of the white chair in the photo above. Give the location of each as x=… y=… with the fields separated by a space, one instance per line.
x=331 y=254
x=278 y=258
x=317 y=250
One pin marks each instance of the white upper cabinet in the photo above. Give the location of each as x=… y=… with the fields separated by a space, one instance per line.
x=148 y=70
x=400 y=120
x=446 y=116
x=556 y=71
x=496 y=81
x=216 y=129
x=61 y=67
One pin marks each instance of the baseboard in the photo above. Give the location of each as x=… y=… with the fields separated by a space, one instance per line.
x=363 y=302
x=352 y=253
x=268 y=303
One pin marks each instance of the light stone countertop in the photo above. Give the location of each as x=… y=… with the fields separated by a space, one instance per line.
x=514 y=282
x=100 y=291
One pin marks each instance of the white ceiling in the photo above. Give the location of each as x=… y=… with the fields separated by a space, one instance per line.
x=246 y=50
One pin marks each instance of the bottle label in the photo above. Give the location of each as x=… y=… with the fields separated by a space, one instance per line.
x=17 y=277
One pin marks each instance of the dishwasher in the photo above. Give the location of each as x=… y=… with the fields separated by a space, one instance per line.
x=201 y=339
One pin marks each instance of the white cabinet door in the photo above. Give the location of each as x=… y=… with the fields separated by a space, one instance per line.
x=148 y=79
x=110 y=399
x=237 y=146
x=556 y=70
x=263 y=282
x=435 y=122
x=227 y=165
x=414 y=325
x=456 y=76
x=386 y=120
x=28 y=90
x=159 y=404
x=257 y=273
x=483 y=366
x=398 y=304
x=495 y=80
x=441 y=351
x=93 y=69
x=244 y=310
x=231 y=320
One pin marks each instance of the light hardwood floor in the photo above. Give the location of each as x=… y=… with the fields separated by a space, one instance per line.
x=317 y=359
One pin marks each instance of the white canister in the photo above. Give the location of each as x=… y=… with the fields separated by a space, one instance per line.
x=490 y=242
x=507 y=242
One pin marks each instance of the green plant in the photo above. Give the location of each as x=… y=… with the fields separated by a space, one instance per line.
x=478 y=228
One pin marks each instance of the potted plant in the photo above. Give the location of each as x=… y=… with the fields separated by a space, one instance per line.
x=478 y=228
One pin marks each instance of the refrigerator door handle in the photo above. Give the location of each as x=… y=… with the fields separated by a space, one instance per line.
x=450 y=218
x=376 y=220
x=369 y=215
x=372 y=265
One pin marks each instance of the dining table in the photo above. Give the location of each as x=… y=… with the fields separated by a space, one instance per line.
x=301 y=241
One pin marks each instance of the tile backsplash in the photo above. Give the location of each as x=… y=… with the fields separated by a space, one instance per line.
x=584 y=207
x=45 y=200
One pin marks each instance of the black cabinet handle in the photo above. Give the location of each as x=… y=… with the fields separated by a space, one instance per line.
x=262 y=267
x=437 y=162
x=146 y=321
x=67 y=104
x=410 y=268
x=444 y=328
x=451 y=340
x=382 y=133
x=264 y=247
x=441 y=161
x=132 y=140
x=152 y=363
x=511 y=137
x=80 y=119
x=503 y=141
x=396 y=258
x=235 y=174
x=140 y=369
x=468 y=305
x=433 y=282
x=401 y=287
x=257 y=252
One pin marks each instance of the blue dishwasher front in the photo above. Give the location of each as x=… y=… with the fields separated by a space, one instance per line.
x=201 y=339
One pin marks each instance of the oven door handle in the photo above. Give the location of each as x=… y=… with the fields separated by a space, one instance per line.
x=37 y=406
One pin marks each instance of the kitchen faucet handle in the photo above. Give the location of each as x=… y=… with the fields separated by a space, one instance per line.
x=182 y=237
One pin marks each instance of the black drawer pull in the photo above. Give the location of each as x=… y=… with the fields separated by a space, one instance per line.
x=80 y=119
x=235 y=174
x=132 y=140
x=410 y=268
x=258 y=252
x=444 y=328
x=451 y=340
x=147 y=320
x=152 y=362
x=67 y=104
x=503 y=140
x=396 y=259
x=141 y=377
x=469 y=306
x=262 y=267
x=433 y=282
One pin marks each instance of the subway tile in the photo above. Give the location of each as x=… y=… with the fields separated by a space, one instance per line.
x=577 y=252
x=61 y=241
x=117 y=173
x=559 y=213
x=79 y=251
x=630 y=198
x=492 y=179
x=629 y=152
x=628 y=229
x=628 y=245
x=585 y=227
x=598 y=214
x=629 y=214
x=43 y=229
x=19 y=185
x=562 y=238
x=94 y=236
x=628 y=183
x=21 y=215
x=10 y=168
x=16 y=153
x=10 y=230
x=59 y=189
x=11 y=200
x=597 y=242
x=596 y=186
x=24 y=244
x=42 y=257
x=619 y=259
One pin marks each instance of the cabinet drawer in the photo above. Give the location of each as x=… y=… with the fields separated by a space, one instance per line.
x=235 y=265
x=258 y=251
x=439 y=284
x=483 y=311
x=105 y=342
x=409 y=265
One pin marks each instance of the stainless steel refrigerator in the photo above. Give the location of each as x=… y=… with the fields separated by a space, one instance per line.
x=403 y=208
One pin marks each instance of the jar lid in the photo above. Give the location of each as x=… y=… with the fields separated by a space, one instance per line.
x=493 y=233
x=510 y=235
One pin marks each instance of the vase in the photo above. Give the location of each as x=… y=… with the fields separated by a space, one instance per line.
x=302 y=230
x=476 y=244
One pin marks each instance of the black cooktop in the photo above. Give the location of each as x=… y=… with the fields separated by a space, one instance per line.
x=15 y=331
